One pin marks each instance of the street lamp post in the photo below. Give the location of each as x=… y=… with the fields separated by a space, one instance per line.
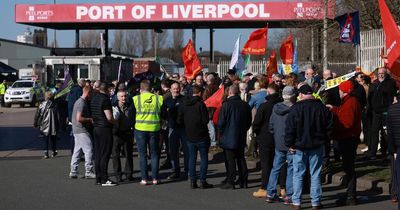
x=55 y=33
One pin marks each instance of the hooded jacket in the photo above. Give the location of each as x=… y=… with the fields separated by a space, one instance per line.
x=309 y=125
x=261 y=121
x=233 y=122
x=46 y=118
x=277 y=125
x=193 y=116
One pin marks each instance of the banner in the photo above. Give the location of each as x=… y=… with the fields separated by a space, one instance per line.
x=336 y=81
x=66 y=85
x=171 y=11
x=235 y=54
x=191 y=61
x=286 y=50
x=272 y=66
x=215 y=101
x=257 y=43
x=349 y=29
x=392 y=37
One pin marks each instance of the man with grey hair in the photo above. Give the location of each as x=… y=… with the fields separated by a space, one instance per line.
x=122 y=136
x=380 y=97
x=277 y=127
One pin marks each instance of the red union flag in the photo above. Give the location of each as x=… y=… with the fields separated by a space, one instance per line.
x=178 y=11
x=191 y=61
x=286 y=50
x=257 y=43
x=272 y=66
x=392 y=35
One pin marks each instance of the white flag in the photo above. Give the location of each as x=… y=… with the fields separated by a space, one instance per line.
x=235 y=54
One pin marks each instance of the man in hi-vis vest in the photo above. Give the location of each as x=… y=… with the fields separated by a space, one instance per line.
x=147 y=111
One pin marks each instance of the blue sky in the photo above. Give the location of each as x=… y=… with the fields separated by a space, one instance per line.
x=224 y=39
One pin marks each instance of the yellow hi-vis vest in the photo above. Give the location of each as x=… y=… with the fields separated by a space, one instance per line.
x=148 y=110
x=2 y=89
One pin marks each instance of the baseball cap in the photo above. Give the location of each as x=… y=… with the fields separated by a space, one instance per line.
x=305 y=89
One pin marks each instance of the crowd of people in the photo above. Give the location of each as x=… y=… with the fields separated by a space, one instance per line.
x=289 y=122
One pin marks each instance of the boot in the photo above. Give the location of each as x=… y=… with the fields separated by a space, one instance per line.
x=205 y=185
x=193 y=184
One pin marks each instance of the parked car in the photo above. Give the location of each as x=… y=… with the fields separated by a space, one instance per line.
x=24 y=92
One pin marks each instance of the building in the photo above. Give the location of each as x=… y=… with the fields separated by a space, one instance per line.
x=26 y=37
x=21 y=55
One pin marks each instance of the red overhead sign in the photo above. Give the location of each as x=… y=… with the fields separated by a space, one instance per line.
x=154 y=12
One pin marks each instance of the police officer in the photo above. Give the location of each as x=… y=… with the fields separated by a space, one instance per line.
x=147 y=111
x=2 y=92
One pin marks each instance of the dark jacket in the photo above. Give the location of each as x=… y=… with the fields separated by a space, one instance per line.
x=261 y=121
x=347 y=119
x=194 y=117
x=309 y=125
x=172 y=105
x=46 y=118
x=359 y=93
x=123 y=123
x=393 y=127
x=381 y=94
x=277 y=125
x=73 y=95
x=233 y=122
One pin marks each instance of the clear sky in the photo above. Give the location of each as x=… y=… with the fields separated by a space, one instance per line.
x=224 y=39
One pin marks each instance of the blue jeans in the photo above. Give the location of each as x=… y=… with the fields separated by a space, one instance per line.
x=279 y=160
x=143 y=139
x=301 y=159
x=202 y=147
x=176 y=139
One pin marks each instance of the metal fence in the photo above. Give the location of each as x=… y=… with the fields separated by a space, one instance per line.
x=368 y=56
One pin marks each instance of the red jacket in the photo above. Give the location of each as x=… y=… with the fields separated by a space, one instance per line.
x=347 y=119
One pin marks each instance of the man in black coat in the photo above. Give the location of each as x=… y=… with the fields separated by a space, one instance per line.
x=194 y=116
x=233 y=122
x=308 y=127
x=264 y=137
x=381 y=95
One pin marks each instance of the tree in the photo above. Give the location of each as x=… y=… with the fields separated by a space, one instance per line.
x=160 y=39
x=118 y=43
x=177 y=39
x=90 y=39
x=142 y=42
x=370 y=16
x=131 y=40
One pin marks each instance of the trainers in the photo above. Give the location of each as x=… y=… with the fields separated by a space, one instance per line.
x=272 y=199
x=143 y=182
x=317 y=207
x=155 y=182
x=73 y=175
x=287 y=201
x=109 y=183
x=260 y=193
x=54 y=154
x=90 y=175
x=45 y=157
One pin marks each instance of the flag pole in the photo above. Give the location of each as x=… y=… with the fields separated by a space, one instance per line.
x=119 y=69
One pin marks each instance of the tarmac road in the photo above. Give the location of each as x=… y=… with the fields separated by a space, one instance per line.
x=29 y=182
